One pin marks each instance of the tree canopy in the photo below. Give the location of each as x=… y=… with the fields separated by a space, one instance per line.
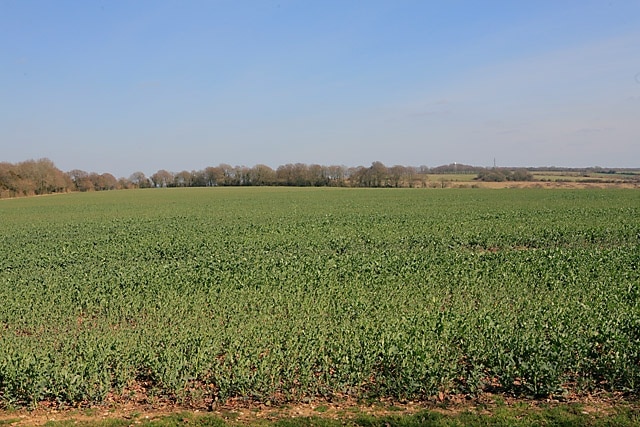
x=34 y=177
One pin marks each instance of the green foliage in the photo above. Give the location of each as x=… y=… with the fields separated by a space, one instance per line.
x=282 y=293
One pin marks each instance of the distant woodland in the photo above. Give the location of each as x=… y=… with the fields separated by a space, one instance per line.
x=37 y=177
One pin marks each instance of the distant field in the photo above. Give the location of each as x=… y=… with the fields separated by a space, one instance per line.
x=578 y=177
x=279 y=294
x=457 y=177
x=433 y=180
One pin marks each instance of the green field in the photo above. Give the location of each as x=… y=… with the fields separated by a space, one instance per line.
x=593 y=177
x=281 y=294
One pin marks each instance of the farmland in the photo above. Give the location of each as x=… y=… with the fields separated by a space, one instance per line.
x=285 y=294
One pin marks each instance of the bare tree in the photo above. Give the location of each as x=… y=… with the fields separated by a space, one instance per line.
x=183 y=179
x=198 y=178
x=106 y=181
x=336 y=175
x=139 y=180
x=81 y=180
x=228 y=173
x=396 y=175
x=162 y=178
x=261 y=175
x=213 y=176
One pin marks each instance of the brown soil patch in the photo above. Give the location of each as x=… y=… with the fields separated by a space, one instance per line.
x=243 y=413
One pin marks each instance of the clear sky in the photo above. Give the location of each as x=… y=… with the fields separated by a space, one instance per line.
x=121 y=86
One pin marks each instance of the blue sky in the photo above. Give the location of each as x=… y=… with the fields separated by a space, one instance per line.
x=120 y=86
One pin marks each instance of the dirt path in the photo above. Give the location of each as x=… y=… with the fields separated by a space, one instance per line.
x=344 y=409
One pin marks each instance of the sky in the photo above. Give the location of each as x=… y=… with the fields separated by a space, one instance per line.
x=122 y=86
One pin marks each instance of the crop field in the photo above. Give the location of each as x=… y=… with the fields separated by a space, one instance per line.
x=593 y=177
x=286 y=294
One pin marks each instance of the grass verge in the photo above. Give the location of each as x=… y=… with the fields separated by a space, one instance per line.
x=519 y=415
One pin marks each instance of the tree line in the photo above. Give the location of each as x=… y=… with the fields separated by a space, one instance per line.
x=298 y=175
x=35 y=177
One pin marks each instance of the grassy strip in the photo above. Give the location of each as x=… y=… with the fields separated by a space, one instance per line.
x=565 y=415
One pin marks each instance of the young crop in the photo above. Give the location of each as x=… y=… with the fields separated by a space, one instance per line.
x=282 y=294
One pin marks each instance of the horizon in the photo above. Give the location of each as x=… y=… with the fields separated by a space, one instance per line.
x=429 y=169
x=125 y=87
